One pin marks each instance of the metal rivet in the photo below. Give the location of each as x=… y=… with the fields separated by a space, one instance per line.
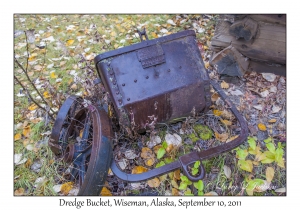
x=147 y=77
x=135 y=80
x=128 y=99
x=117 y=93
x=169 y=70
x=111 y=73
x=114 y=82
x=123 y=84
x=180 y=67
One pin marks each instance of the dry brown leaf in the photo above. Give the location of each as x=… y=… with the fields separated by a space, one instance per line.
x=226 y=122
x=38 y=67
x=175 y=192
x=138 y=170
x=146 y=153
x=227 y=115
x=272 y=121
x=153 y=182
x=30 y=73
x=221 y=137
x=17 y=137
x=28 y=163
x=19 y=191
x=26 y=142
x=32 y=107
x=177 y=174
x=269 y=174
x=74 y=87
x=215 y=96
x=227 y=171
x=211 y=193
x=170 y=148
x=156 y=148
x=217 y=112
x=62 y=63
x=262 y=127
x=105 y=192
x=66 y=187
x=26 y=131
x=224 y=85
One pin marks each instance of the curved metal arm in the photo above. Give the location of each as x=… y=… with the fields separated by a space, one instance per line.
x=192 y=157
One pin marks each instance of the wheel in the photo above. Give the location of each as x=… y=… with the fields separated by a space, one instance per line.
x=84 y=144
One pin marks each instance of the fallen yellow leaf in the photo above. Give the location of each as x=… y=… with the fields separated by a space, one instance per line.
x=46 y=94
x=105 y=192
x=153 y=182
x=139 y=170
x=224 y=85
x=261 y=127
x=233 y=137
x=207 y=65
x=32 y=56
x=25 y=142
x=221 y=137
x=70 y=42
x=226 y=122
x=149 y=162
x=217 y=112
x=53 y=75
x=272 y=121
x=26 y=131
x=32 y=107
x=28 y=163
x=17 y=137
x=66 y=187
x=269 y=174
x=154 y=35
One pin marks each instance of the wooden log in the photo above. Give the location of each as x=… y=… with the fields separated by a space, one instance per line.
x=245 y=28
x=267 y=18
x=230 y=62
x=269 y=44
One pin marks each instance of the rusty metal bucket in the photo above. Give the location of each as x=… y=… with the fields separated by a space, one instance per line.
x=153 y=81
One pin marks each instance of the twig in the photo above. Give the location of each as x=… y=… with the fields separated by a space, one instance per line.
x=38 y=92
x=33 y=99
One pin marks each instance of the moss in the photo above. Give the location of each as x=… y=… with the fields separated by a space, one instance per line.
x=193 y=137
x=203 y=131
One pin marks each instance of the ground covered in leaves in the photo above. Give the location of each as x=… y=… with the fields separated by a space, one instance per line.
x=57 y=61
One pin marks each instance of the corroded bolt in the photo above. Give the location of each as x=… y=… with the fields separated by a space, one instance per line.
x=147 y=77
x=123 y=84
x=135 y=80
x=128 y=99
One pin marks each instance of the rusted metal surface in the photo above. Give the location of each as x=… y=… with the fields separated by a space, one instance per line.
x=191 y=158
x=160 y=79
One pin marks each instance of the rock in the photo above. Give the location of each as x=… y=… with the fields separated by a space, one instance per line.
x=269 y=77
x=36 y=166
x=129 y=154
x=262 y=135
x=174 y=139
x=154 y=140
